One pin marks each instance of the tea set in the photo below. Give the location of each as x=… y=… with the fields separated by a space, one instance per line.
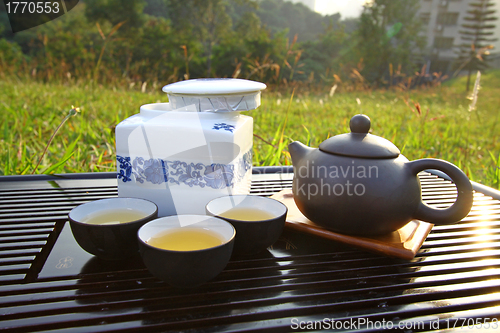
x=185 y=166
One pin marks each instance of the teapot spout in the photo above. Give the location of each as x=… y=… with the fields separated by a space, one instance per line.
x=298 y=150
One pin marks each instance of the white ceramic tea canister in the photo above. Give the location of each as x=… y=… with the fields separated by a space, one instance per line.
x=197 y=147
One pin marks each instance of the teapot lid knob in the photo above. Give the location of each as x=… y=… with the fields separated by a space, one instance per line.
x=360 y=123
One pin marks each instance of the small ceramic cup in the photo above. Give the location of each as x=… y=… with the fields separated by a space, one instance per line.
x=258 y=221
x=107 y=228
x=190 y=265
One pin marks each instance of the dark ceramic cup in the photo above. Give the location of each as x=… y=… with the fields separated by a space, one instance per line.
x=186 y=268
x=111 y=240
x=253 y=233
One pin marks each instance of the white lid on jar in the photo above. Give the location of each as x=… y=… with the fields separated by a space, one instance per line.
x=215 y=94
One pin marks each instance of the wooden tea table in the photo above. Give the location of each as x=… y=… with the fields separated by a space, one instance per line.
x=302 y=283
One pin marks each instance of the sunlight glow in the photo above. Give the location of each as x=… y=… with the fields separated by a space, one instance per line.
x=347 y=9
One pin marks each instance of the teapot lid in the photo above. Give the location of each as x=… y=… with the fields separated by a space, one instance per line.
x=359 y=143
x=215 y=94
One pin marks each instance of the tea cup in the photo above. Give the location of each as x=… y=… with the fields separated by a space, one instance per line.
x=107 y=228
x=259 y=221
x=186 y=250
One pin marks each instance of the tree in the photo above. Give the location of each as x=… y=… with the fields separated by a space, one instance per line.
x=476 y=37
x=322 y=56
x=157 y=8
x=208 y=22
x=388 y=33
x=116 y=11
x=279 y=15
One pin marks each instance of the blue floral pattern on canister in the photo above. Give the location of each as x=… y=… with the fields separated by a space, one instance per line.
x=247 y=160
x=151 y=170
x=224 y=126
x=159 y=171
x=125 y=168
x=186 y=173
x=219 y=176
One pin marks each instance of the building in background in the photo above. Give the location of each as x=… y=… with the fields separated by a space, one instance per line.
x=309 y=3
x=443 y=21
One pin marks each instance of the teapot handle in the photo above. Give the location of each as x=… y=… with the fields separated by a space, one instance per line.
x=462 y=205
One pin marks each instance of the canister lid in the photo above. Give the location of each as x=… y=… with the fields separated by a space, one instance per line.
x=215 y=94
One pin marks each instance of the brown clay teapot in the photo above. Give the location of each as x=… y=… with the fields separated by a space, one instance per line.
x=359 y=184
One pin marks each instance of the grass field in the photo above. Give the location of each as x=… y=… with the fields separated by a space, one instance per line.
x=433 y=122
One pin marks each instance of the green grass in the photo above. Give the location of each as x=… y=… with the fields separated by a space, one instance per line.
x=31 y=111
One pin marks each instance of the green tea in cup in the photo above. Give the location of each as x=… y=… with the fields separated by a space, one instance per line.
x=113 y=216
x=247 y=214
x=185 y=239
